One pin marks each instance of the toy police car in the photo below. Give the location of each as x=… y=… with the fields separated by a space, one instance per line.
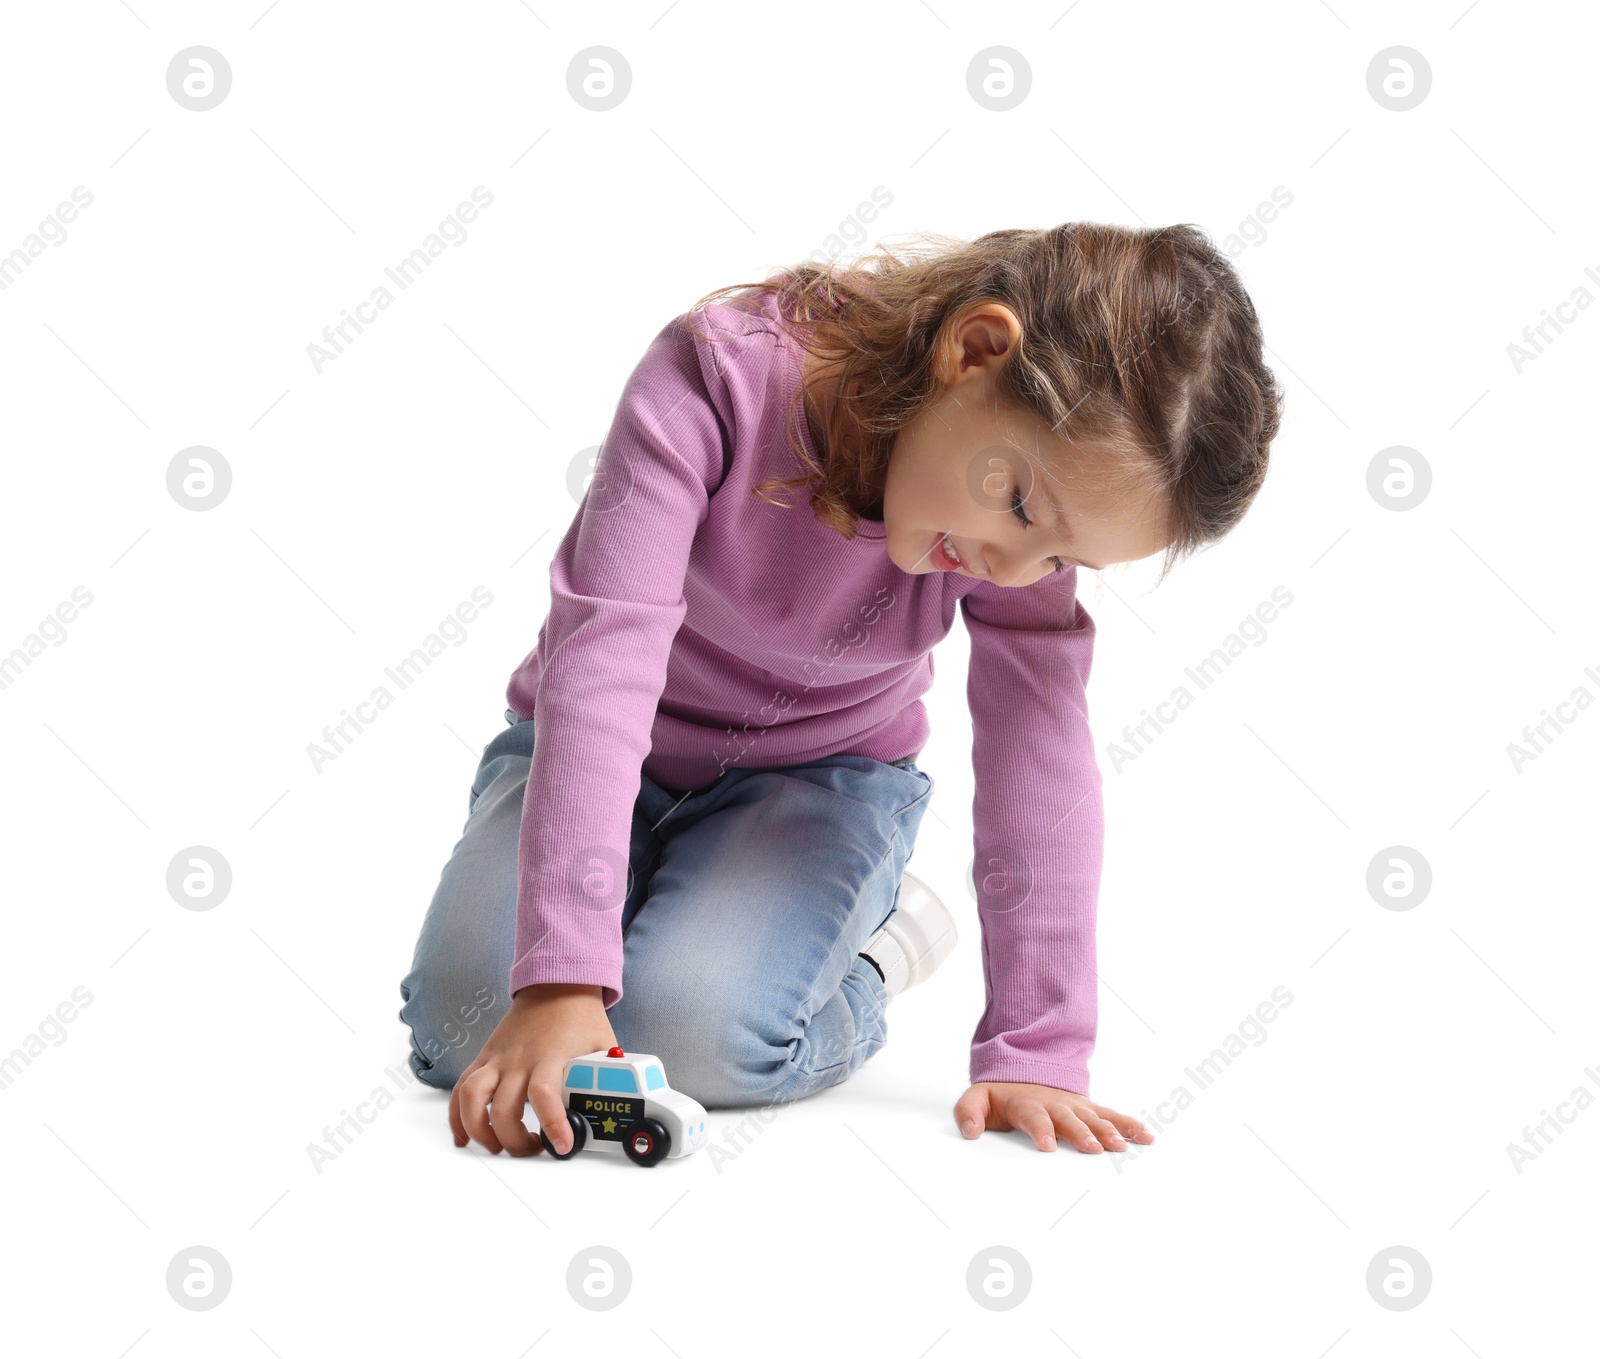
x=622 y=1100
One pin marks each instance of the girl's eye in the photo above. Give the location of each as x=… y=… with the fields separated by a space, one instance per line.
x=1016 y=509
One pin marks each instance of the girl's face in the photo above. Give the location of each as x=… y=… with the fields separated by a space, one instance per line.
x=963 y=473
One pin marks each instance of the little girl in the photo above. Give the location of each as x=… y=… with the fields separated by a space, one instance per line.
x=691 y=837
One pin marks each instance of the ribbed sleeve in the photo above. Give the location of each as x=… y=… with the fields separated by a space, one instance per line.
x=616 y=602
x=1038 y=830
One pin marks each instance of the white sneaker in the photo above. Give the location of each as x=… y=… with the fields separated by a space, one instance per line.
x=918 y=935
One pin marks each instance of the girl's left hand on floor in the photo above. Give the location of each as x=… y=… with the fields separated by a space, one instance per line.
x=1046 y=1113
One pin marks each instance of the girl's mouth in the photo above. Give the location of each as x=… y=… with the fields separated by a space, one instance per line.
x=942 y=556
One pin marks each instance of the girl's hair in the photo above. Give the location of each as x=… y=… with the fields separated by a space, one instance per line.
x=1142 y=342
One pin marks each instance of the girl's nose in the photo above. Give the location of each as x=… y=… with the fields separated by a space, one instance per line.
x=1005 y=566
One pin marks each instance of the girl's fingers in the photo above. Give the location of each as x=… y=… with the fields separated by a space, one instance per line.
x=972 y=1112
x=1033 y=1118
x=1126 y=1124
x=505 y=1115
x=544 y=1093
x=1104 y=1129
x=1074 y=1129
x=476 y=1089
x=457 y=1128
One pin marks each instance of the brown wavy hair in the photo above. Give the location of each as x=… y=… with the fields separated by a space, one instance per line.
x=1140 y=341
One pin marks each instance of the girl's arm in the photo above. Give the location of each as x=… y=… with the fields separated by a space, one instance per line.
x=1038 y=830
x=616 y=602
x=1038 y=837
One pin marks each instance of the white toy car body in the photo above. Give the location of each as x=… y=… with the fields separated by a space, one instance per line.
x=621 y=1102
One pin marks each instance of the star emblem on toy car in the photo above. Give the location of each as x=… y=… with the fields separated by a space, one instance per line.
x=620 y=1101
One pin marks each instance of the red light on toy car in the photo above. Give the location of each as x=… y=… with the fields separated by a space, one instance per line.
x=614 y=1052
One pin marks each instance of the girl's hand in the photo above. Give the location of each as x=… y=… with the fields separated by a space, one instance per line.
x=522 y=1062
x=1044 y=1112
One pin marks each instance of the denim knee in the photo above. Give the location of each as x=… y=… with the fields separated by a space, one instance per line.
x=456 y=991
x=716 y=1048
x=449 y=1014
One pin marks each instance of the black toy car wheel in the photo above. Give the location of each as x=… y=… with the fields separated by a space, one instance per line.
x=580 y=1135
x=647 y=1142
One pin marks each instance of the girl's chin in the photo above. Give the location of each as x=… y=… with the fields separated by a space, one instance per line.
x=907 y=562
x=921 y=568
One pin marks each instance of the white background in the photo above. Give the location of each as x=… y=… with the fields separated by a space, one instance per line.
x=431 y=457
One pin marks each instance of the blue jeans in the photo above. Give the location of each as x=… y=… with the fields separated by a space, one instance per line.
x=750 y=901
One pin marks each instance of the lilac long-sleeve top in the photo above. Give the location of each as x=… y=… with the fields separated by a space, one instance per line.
x=695 y=627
